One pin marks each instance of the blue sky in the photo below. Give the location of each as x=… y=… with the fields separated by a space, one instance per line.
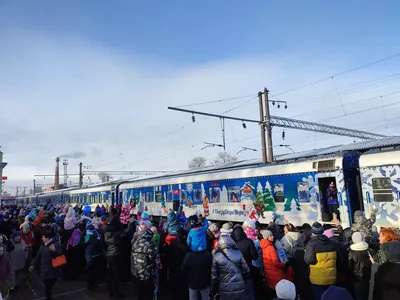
x=97 y=76
x=187 y=32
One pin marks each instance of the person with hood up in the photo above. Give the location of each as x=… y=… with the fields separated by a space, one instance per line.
x=17 y=259
x=112 y=239
x=386 y=281
x=70 y=220
x=102 y=211
x=289 y=240
x=273 y=268
x=285 y=290
x=323 y=257
x=4 y=271
x=336 y=293
x=226 y=229
x=364 y=225
x=173 y=220
x=144 y=261
x=359 y=266
x=93 y=254
x=43 y=261
x=196 y=240
x=229 y=271
x=248 y=249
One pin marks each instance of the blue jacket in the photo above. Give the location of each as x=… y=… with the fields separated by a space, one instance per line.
x=173 y=220
x=258 y=263
x=197 y=240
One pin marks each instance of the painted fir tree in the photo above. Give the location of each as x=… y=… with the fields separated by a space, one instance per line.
x=288 y=204
x=268 y=199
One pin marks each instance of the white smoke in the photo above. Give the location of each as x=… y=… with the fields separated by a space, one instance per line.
x=75 y=155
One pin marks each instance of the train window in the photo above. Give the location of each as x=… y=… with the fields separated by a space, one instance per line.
x=382 y=189
x=159 y=196
x=170 y=196
x=279 y=192
x=303 y=194
x=149 y=197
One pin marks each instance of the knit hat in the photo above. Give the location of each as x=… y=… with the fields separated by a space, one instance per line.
x=266 y=233
x=358 y=213
x=285 y=290
x=145 y=218
x=335 y=292
x=15 y=234
x=317 y=228
x=393 y=251
x=26 y=226
x=359 y=243
x=226 y=228
x=329 y=233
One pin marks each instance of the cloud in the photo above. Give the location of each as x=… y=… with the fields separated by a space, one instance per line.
x=62 y=94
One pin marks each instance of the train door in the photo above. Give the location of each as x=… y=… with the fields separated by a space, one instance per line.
x=113 y=198
x=352 y=182
x=323 y=184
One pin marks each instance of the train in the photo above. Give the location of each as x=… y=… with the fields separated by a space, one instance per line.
x=293 y=188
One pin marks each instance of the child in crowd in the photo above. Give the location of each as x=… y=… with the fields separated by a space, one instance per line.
x=173 y=220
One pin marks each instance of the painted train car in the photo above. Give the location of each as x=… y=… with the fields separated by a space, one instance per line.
x=293 y=188
x=366 y=174
x=380 y=176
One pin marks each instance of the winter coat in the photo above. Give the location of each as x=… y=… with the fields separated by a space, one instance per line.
x=102 y=211
x=258 y=263
x=323 y=256
x=18 y=256
x=245 y=245
x=196 y=239
x=44 y=260
x=359 y=263
x=289 y=242
x=28 y=238
x=4 y=268
x=274 y=270
x=197 y=269
x=210 y=240
x=229 y=273
x=365 y=227
x=387 y=282
x=113 y=243
x=93 y=248
x=173 y=219
x=144 y=257
x=301 y=279
x=381 y=255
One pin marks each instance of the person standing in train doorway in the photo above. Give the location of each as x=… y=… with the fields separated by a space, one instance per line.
x=332 y=201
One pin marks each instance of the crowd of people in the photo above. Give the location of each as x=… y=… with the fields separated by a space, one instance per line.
x=194 y=258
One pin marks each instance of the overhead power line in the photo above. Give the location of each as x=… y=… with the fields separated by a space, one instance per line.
x=217 y=101
x=339 y=74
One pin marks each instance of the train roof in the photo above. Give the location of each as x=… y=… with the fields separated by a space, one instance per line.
x=316 y=154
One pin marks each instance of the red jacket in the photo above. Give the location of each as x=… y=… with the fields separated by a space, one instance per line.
x=28 y=239
x=273 y=268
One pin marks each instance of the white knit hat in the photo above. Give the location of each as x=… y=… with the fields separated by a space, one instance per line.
x=285 y=290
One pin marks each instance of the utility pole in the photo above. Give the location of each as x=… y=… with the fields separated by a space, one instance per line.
x=269 y=127
x=262 y=127
x=80 y=175
x=34 y=186
x=17 y=192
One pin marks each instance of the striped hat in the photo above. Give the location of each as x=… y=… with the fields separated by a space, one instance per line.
x=317 y=228
x=145 y=218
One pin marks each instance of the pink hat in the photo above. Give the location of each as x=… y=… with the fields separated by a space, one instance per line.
x=329 y=233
